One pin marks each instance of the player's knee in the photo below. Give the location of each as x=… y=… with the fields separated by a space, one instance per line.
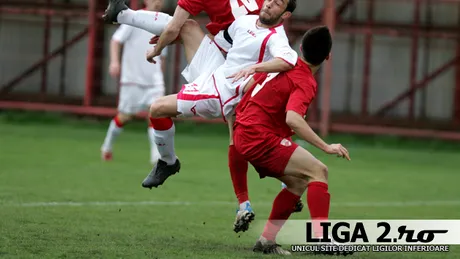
x=124 y=118
x=188 y=28
x=189 y=23
x=320 y=172
x=300 y=187
x=157 y=108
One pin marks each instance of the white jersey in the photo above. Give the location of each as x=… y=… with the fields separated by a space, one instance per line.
x=251 y=45
x=135 y=69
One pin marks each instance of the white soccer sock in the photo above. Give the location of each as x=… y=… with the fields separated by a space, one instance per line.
x=153 y=22
x=154 y=153
x=164 y=140
x=112 y=133
x=243 y=205
x=283 y=185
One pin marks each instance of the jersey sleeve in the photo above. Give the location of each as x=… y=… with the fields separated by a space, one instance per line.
x=122 y=33
x=278 y=46
x=301 y=97
x=224 y=39
x=194 y=7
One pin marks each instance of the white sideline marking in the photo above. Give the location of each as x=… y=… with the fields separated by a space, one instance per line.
x=222 y=203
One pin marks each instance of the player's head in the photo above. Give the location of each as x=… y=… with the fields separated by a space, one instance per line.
x=153 y=5
x=274 y=12
x=316 y=45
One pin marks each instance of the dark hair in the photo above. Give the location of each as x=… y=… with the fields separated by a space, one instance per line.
x=292 y=4
x=316 y=45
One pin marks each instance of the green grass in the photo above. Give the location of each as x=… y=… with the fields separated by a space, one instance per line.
x=57 y=160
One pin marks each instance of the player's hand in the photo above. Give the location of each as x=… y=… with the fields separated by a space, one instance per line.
x=245 y=73
x=339 y=150
x=154 y=40
x=151 y=54
x=114 y=70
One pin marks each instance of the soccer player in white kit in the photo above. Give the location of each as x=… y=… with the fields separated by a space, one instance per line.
x=253 y=44
x=141 y=82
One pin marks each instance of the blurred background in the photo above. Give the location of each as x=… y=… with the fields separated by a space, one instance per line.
x=394 y=70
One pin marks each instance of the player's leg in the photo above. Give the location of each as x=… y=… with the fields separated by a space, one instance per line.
x=191 y=35
x=154 y=153
x=153 y=22
x=203 y=55
x=193 y=99
x=305 y=166
x=299 y=205
x=151 y=95
x=238 y=169
x=127 y=106
x=115 y=128
x=161 y=113
x=239 y=174
x=281 y=211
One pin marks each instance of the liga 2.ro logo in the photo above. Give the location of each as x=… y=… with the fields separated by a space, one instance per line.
x=370 y=232
x=342 y=232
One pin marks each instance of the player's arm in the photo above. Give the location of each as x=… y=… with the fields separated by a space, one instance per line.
x=300 y=126
x=296 y=108
x=116 y=44
x=115 y=50
x=172 y=30
x=272 y=66
x=284 y=58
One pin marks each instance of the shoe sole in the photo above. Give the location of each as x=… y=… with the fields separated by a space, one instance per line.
x=156 y=185
x=106 y=17
x=243 y=223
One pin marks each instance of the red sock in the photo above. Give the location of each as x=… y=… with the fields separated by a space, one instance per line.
x=239 y=173
x=318 y=199
x=161 y=123
x=118 y=122
x=281 y=210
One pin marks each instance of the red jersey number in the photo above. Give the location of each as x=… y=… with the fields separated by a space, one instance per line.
x=248 y=6
x=259 y=87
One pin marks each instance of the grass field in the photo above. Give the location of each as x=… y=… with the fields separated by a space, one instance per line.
x=58 y=200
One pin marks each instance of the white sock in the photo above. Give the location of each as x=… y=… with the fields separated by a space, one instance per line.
x=165 y=143
x=154 y=153
x=283 y=185
x=153 y=22
x=112 y=133
x=243 y=205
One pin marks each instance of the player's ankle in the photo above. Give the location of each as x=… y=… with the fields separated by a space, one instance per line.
x=244 y=204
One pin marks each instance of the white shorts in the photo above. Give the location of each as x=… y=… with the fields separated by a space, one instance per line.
x=134 y=99
x=199 y=98
x=207 y=59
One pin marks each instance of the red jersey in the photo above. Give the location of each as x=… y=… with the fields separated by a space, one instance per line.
x=221 y=12
x=265 y=105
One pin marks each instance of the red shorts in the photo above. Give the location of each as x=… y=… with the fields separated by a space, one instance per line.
x=267 y=152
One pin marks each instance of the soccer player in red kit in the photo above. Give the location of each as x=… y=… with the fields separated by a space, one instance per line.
x=266 y=118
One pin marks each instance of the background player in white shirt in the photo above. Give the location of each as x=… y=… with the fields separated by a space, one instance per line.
x=141 y=82
x=254 y=44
